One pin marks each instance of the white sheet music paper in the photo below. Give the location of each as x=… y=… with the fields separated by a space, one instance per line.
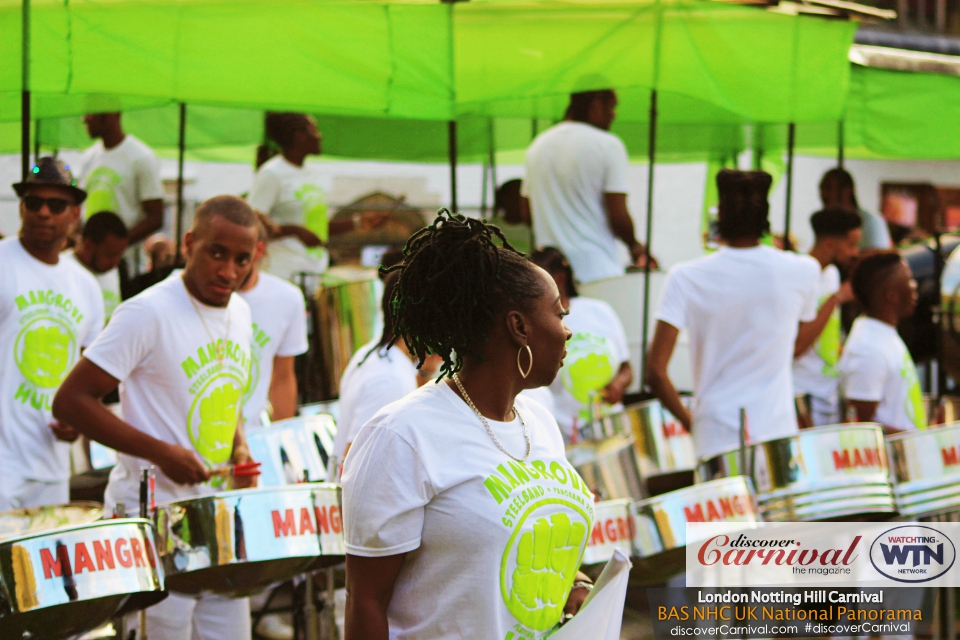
x=602 y=611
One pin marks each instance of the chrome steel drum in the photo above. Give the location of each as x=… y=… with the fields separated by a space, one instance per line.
x=293 y=451
x=835 y=471
x=661 y=536
x=614 y=526
x=926 y=471
x=238 y=542
x=662 y=443
x=65 y=581
x=331 y=408
x=609 y=467
x=347 y=317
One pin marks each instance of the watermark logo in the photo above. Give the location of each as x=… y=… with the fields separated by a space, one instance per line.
x=912 y=553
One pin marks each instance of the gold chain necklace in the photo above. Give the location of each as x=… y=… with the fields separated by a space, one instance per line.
x=222 y=348
x=486 y=425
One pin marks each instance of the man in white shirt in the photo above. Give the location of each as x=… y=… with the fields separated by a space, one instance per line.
x=279 y=318
x=122 y=174
x=100 y=250
x=576 y=190
x=838 y=190
x=877 y=374
x=742 y=306
x=837 y=233
x=49 y=309
x=181 y=350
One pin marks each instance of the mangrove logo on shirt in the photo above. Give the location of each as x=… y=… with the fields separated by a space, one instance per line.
x=914 y=400
x=111 y=300
x=588 y=367
x=260 y=340
x=828 y=344
x=101 y=187
x=549 y=511
x=46 y=345
x=314 y=203
x=216 y=397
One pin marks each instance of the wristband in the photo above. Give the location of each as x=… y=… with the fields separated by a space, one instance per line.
x=582 y=584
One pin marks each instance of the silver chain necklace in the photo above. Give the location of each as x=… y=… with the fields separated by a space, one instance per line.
x=486 y=425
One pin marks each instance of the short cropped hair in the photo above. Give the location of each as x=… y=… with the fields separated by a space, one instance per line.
x=282 y=127
x=871 y=273
x=579 y=108
x=834 y=222
x=743 y=203
x=231 y=208
x=103 y=224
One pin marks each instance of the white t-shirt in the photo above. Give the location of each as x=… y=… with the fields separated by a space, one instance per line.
x=742 y=309
x=109 y=285
x=119 y=179
x=289 y=194
x=493 y=544
x=815 y=371
x=594 y=355
x=173 y=384
x=386 y=375
x=876 y=367
x=279 y=329
x=569 y=169
x=47 y=313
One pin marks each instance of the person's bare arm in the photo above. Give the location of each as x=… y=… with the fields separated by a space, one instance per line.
x=613 y=392
x=283 y=388
x=658 y=357
x=867 y=411
x=78 y=400
x=240 y=455
x=370 y=583
x=808 y=332
x=151 y=222
x=621 y=224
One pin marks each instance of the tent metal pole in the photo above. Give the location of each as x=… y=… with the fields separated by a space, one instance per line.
x=36 y=141
x=492 y=150
x=840 y=143
x=25 y=89
x=791 y=136
x=651 y=158
x=452 y=150
x=483 y=193
x=181 y=152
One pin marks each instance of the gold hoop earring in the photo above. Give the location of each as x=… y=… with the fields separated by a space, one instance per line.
x=527 y=372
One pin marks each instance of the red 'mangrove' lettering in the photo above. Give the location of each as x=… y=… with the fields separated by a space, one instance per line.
x=285 y=526
x=106 y=554
x=950 y=457
x=55 y=566
x=856 y=458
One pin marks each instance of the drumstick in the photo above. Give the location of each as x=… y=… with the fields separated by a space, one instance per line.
x=244 y=469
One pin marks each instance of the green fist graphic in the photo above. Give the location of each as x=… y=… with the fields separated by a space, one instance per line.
x=219 y=412
x=547 y=560
x=588 y=374
x=46 y=356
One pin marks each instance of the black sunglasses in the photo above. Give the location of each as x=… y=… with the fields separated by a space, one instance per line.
x=55 y=205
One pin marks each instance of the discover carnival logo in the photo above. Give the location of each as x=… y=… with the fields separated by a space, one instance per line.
x=912 y=553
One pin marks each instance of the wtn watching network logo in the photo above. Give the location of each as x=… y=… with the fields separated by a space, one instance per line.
x=912 y=553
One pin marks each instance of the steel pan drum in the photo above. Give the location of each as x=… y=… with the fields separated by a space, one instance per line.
x=661 y=522
x=614 y=526
x=20 y=522
x=926 y=471
x=238 y=542
x=835 y=471
x=293 y=451
x=347 y=317
x=63 y=582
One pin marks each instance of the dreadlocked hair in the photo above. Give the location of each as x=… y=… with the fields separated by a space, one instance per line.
x=453 y=282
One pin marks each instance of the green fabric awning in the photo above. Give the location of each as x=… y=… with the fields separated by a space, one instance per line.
x=386 y=76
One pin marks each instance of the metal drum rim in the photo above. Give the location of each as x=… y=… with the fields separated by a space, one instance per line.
x=910 y=435
x=75 y=527
x=696 y=487
x=332 y=486
x=829 y=428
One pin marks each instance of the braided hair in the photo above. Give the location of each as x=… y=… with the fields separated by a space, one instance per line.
x=453 y=282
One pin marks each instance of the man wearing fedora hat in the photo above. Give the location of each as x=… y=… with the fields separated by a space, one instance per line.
x=49 y=309
x=743 y=307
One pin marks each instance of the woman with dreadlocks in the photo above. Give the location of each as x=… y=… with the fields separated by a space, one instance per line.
x=462 y=517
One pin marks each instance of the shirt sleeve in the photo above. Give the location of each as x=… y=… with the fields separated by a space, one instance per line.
x=149 y=186
x=125 y=341
x=373 y=395
x=810 y=291
x=673 y=305
x=615 y=180
x=862 y=375
x=385 y=490
x=294 y=340
x=265 y=192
